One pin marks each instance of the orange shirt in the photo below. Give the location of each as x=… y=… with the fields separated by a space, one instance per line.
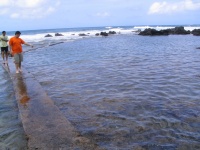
x=16 y=44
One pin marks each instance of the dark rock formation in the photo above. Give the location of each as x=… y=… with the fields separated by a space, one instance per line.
x=97 y=34
x=112 y=32
x=82 y=34
x=58 y=34
x=154 y=32
x=104 y=34
x=48 y=35
x=196 y=32
x=178 y=30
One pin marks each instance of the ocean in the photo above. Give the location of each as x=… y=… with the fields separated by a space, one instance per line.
x=123 y=91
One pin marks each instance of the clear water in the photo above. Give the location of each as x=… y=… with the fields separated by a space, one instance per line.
x=12 y=135
x=126 y=91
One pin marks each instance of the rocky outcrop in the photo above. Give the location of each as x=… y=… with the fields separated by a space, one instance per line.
x=97 y=34
x=48 y=35
x=196 y=32
x=104 y=34
x=82 y=34
x=112 y=32
x=58 y=34
x=176 y=30
x=153 y=32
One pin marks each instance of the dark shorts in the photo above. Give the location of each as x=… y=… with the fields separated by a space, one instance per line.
x=4 y=49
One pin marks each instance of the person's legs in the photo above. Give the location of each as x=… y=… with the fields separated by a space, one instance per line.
x=20 y=61
x=16 y=61
x=17 y=67
x=6 y=54
x=2 y=54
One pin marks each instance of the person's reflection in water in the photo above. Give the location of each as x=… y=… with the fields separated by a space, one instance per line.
x=23 y=96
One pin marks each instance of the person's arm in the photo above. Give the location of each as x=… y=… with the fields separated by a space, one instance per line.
x=10 y=45
x=28 y=44
x=3 y=39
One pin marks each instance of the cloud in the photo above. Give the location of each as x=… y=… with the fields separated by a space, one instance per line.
x=28 y=9
x=14 y=15
x=5 y=2
x=168 y=8
x=29 y=3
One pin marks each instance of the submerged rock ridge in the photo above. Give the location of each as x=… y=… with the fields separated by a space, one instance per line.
x=45 y=126
x=174 y=31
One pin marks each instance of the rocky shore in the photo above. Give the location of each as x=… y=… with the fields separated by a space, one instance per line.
x=147 y=32
x=174 y=31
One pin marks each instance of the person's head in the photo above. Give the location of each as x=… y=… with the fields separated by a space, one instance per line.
x=4 y=33
x=17 y=34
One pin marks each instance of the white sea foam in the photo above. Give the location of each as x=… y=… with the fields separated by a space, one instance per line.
x=71 y=35
x=74 y=35
x=190 y=28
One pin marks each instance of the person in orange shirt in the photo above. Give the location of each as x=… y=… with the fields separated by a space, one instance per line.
x=16 y=50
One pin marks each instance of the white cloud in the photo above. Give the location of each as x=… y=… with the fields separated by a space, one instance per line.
x=14 y=15
x=5 y=2
x=103 y=14
x=29 y=3
x=167 y=8
x=28 y=9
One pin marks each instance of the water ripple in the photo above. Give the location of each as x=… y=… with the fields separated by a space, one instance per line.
x=126 y=91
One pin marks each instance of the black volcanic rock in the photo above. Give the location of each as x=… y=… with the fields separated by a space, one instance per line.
x=153 y=32
x=58 y=34
x=104 y=34
x=97 y=34
x=82 y=34
x=112 y=32
x=196 y=32
x=178 y=30
x=48 y=35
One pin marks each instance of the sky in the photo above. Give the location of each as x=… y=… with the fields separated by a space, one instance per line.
x=52 y=14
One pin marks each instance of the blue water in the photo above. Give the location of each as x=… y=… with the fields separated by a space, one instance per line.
x=12 y=135
x=81 y=29
x=123 y=92
x=126 y=91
